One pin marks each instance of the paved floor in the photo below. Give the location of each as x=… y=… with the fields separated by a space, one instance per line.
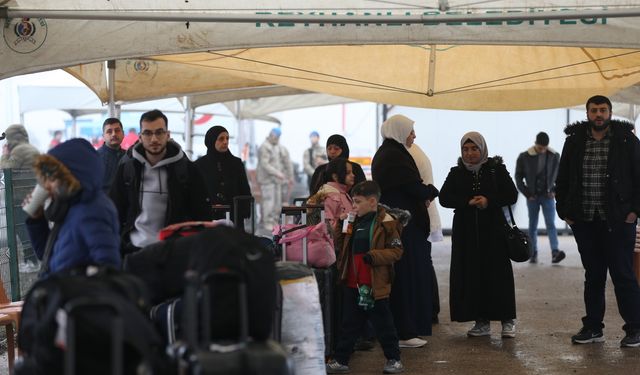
x=550 y=305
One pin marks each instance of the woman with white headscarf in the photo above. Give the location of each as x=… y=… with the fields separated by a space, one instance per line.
x=394 y=169
x=481 y=279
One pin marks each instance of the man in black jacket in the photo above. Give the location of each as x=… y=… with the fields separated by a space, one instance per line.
x=157 y=186
x=598 y=195
x=111 y=152
x=536 y=171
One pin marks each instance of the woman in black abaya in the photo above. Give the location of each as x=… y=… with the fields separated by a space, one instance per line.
x=395 y=170
x=223 y=173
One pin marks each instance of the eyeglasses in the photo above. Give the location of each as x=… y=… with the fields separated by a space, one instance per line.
x=159 y=133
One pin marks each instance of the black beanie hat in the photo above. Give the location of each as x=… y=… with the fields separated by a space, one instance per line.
x=542 y=139
x=340 y=141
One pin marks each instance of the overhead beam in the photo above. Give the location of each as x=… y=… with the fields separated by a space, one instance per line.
x=174 y=16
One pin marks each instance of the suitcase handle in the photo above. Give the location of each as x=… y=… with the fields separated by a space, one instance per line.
x=236 y=212
x=78 y=304
x=197 y=284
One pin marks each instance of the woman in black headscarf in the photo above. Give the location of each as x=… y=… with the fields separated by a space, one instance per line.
x=223 y=173
x=395 y=170
x=337 y=147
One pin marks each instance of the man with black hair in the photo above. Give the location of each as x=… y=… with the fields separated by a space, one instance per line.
x=598 y=195
x=157 y=186
x=536 y=172
x=110 y=152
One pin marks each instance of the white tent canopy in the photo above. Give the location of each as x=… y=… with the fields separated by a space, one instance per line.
x=485 y=55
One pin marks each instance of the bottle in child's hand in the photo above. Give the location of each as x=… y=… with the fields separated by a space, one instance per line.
x=347 y=225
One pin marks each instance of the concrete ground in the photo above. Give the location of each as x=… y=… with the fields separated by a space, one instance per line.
x=549 y=308
x=549 y=302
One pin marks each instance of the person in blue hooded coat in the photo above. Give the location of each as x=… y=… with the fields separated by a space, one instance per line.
x=85 y=226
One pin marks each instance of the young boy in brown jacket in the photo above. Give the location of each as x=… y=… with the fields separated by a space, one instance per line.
x=366 y=254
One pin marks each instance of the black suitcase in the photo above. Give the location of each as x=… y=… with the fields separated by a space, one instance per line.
x=116 y=327
x=325 y=277
x=202 y=356
x=238 y=201
x=106 y=330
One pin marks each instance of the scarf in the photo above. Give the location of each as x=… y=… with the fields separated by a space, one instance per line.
x=341 y=142
x=55 y=212
x=426 y=173
x=393 y=166
x=479 y=141
x=398 y=128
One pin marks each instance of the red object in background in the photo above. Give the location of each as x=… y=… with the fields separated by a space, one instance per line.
x=97 y=142
x=129 y=140
x=185 y=229
x=202 y=119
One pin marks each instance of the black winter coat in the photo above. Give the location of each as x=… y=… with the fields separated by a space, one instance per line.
x=225 y=177
x=481 y=278
x=623 y=172
x=188 y=199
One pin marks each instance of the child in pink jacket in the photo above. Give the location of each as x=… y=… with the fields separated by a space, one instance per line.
x=338 y=177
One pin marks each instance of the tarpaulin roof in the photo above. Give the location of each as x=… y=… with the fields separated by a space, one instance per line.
x=489 y=55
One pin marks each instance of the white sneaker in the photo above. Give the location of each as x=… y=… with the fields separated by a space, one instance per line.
x=509 y=329
x=481 y=328
x=412 y=343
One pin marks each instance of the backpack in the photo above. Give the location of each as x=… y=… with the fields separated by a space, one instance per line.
x=42 y=339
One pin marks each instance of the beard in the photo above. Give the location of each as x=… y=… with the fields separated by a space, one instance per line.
x=604 y=126
x=160 y=151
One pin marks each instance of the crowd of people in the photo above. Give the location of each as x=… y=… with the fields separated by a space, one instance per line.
x=109 y=203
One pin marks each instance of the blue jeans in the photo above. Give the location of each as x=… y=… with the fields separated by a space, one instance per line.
x=603 y=247
x=549 y=212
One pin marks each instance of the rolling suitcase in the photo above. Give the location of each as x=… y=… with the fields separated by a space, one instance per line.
x=239 y=202
x=204 y=356
x=325 y=278
x=116 y=328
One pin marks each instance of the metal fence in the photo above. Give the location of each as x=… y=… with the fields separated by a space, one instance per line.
x=18 y=263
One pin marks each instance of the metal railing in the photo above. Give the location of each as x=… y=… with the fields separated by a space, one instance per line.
x=18 y=263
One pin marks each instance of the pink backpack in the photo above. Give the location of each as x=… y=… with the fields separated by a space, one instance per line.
x=321 y=252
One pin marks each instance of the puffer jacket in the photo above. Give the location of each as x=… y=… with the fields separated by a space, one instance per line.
x=386 y=249
x=89 y=233
x=622 y=187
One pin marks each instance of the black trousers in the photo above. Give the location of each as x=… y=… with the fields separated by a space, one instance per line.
x=603 y=246
x=354 y=319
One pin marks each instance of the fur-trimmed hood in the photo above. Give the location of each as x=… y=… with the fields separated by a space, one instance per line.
x=616 y=125
x=491 y=162
x=76 y=163
x=403 y=216
x=532 y=151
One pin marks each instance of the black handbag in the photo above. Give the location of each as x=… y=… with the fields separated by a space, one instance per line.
x=518 y=242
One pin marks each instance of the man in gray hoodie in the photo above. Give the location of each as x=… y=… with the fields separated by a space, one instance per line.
x=157 y=186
